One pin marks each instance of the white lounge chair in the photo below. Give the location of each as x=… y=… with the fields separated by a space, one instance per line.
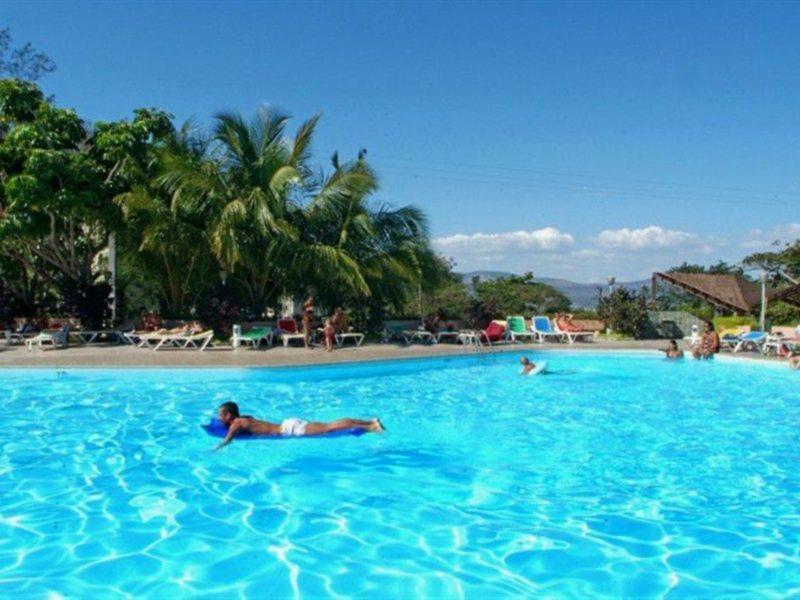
x=543 y=328
x=56 y=338
x=341 y=338
x=146 y=340
x=445 y=334
x=423 y=335
x=574 y=336
x=187 y=341
x=751 y=341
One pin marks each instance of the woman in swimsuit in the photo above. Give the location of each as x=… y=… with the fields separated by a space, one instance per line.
x=308 y=317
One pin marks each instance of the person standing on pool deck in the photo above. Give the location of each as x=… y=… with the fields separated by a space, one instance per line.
x=229 y=415
x=308 y=318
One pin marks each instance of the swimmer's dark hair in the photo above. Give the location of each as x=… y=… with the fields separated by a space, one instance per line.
x=231 y=408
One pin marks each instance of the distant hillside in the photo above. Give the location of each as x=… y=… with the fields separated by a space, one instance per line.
x=582 y=295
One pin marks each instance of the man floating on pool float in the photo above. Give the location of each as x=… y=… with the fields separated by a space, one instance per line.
x=531 y=368
x=247 y=425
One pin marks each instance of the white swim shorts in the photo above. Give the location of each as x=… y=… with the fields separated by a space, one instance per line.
x=293 y=426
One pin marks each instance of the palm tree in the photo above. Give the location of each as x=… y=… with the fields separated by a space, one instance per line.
x=279 y=230
x=246 y=185
x=172 y=251
x=375 y=255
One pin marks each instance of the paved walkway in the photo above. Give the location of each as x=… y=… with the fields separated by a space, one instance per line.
x=100 y=355
x=225 y=356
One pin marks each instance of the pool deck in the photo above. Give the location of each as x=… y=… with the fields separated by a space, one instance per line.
x=102 y=355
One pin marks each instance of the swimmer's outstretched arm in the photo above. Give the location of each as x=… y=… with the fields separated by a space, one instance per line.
x=231 y=433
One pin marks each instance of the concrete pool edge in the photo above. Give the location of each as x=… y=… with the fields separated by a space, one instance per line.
x=127 y=357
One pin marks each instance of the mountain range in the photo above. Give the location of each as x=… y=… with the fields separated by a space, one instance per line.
x=582 y=295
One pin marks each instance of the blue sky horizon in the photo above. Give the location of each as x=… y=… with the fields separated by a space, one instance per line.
x=573 y=140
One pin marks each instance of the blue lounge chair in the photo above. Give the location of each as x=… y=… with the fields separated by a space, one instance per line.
x=543 y=330
x=751 y=341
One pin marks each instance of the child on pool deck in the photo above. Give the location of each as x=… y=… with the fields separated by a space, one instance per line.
x=229 y=415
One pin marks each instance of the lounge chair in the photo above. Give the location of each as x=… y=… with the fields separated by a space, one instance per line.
x=544 y=331
x=494 y=333
x=288 y=331
x=422 y=335
x=447 y=334
x=751 y=341
x=728 y=338
x=782 y=341
x=186 y=341
x=254 y=337
x=572 y=333
x=517 y=329
x=55 y=337
x=342 y=337
x=148 y=339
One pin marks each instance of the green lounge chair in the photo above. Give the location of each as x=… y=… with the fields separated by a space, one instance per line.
x=254 y=337
x=517 y=329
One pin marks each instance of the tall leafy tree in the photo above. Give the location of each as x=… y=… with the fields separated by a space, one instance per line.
x=166 y=246
x=245 y=187
x=361 y=252
x=57 y=182
x=279 y=229
x=24 y=62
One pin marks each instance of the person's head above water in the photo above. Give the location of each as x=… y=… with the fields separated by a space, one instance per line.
x=228 y=411
x=525 y=360
x=673 y=345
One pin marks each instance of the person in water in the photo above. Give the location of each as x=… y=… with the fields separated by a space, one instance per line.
x=672 y=350
x=709 y=343
x=236 y=423
x=527 y=365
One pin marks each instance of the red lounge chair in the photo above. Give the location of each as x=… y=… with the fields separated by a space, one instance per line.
x=494 y=333
x=287 y=325
x=288 y=331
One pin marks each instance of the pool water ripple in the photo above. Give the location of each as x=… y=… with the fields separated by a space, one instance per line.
x=615 y=475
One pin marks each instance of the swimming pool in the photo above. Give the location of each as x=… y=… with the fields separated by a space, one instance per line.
x=615 y=475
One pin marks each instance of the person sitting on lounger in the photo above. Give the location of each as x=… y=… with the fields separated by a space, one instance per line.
x=564 y=323
x=236 y=423
x=709 y=343
x=672 y=351
x=340 y=321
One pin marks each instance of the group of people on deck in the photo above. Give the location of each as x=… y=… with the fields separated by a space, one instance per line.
x=336 y=323
x=705 y=347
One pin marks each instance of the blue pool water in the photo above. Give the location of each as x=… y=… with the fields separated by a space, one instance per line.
x=616 y=475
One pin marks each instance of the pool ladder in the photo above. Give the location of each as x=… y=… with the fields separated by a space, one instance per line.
x=473 y=339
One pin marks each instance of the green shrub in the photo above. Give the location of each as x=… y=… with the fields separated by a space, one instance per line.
x=722 y=323
x=780 y=313
x=624 y=312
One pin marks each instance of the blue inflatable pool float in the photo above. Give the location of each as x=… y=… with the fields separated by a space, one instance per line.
x=217 y=429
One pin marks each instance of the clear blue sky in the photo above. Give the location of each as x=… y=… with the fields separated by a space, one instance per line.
x=574 y=140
